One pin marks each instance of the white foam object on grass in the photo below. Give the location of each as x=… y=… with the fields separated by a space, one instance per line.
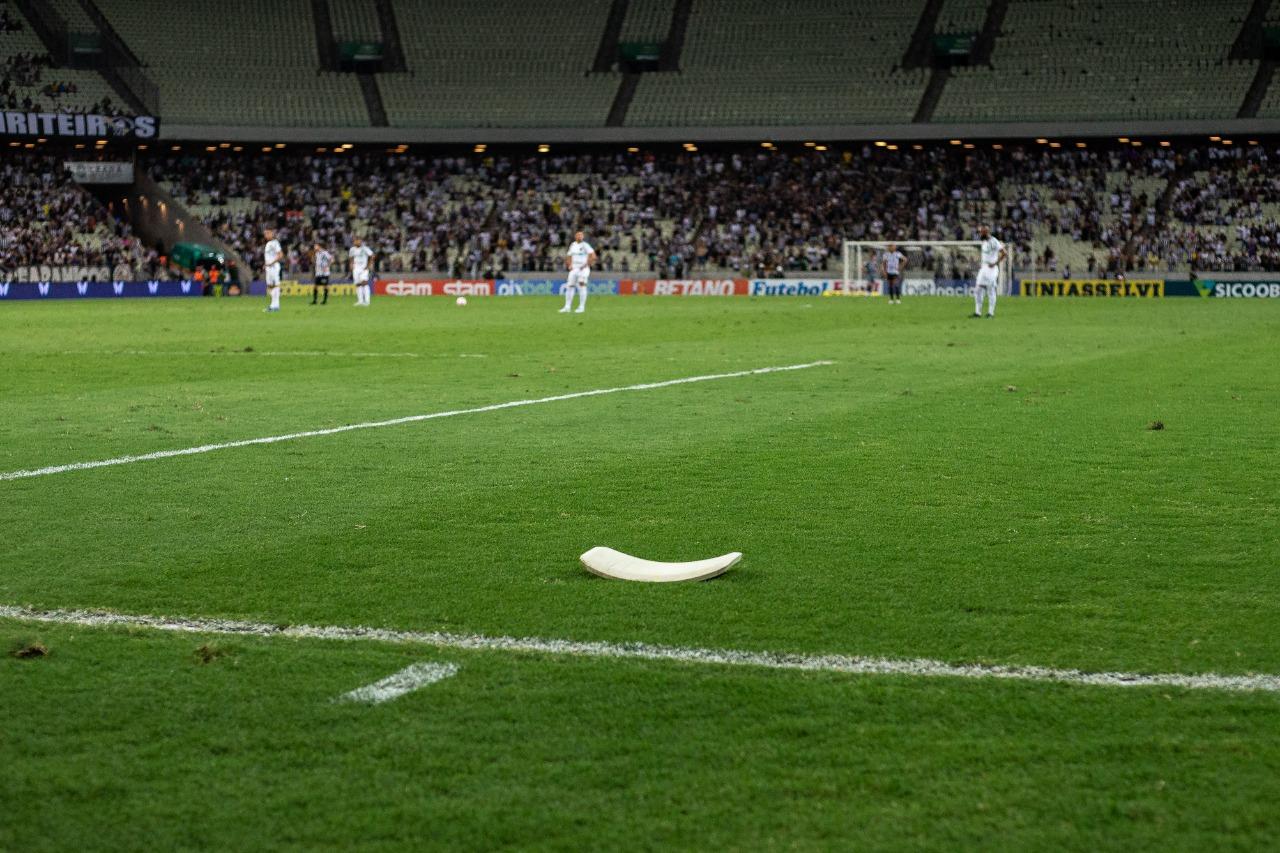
x=608 y=563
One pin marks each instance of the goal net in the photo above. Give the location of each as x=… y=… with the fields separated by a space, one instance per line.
x=933 y=267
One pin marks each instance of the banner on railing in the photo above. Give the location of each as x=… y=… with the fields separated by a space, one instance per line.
x=94 y=172
x=68 y=272
x=77 y=125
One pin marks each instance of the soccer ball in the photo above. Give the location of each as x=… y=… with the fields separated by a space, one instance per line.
x=462 y=300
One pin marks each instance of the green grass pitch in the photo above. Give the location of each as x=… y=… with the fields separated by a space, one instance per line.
x=972 y=491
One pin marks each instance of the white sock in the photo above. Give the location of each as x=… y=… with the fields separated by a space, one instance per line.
x=991 y=300
x=568 y=296
x=582 y=297
x=275 y=297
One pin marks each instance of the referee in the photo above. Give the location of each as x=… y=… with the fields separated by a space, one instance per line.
x=892 y=263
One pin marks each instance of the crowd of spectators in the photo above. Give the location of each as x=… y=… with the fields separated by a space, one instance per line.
x=46 y=219
x=24 y=69
x=754 y=212
x=29 y=81
x=757 y=212
x=1225 y=211
x=24 y=86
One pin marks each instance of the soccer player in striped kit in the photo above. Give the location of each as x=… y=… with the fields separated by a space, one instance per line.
x=323 y=260
x=892 y=263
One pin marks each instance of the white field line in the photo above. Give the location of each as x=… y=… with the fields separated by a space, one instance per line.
x=853 y=665
x=511 y=404
x=397 y=684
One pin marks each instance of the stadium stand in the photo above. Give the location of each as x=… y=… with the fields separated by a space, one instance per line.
x=530 y=72
x=800 y=61
x=1106 y=60
x=742 y=63
x=1270 y=106
x=755 y=212
x=962 y=16
x=74 y=15
x=29 y=82
x=235 y=73
x=647 y=21
x=355 y=20
x=47 y=219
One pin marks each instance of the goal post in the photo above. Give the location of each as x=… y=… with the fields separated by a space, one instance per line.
x=933 y=266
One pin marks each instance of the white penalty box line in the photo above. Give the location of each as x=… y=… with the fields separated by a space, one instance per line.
x=512 y=404
x=840 y=664
x=398 y=684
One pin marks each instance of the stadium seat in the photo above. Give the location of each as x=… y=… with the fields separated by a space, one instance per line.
x=1105 y=61
x=531 y=70
x=355 y=20
x=961 y=16
x=77 y=20
x=223 y=72
x=90 y=87
x=789 y=62
x=647 y=21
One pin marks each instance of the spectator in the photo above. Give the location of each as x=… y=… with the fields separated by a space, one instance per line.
x=47 y=219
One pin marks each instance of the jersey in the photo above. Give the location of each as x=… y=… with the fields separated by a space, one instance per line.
x=991 y=249
x=271 y=253
x=580 y=254
x=324 y=260
x=360 y=256
x=893 y=262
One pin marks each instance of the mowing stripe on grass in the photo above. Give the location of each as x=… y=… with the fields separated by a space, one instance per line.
x=399 y=683
x=252 y=352
x=512 y=404
x=853 y=665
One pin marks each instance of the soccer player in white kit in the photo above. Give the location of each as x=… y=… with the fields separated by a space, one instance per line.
x=271 y=257
x=360 y=255
x=578 y=261
x=993 y=254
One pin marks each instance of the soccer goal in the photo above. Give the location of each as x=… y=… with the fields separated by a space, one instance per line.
x=933 y=267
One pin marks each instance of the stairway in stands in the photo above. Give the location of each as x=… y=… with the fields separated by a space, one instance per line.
x=1249 y=45
x=922 y=40
x=327 y=50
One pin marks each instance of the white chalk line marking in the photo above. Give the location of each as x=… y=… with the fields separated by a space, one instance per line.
x=846 y=664
x=512 y=404
x=398 y=684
